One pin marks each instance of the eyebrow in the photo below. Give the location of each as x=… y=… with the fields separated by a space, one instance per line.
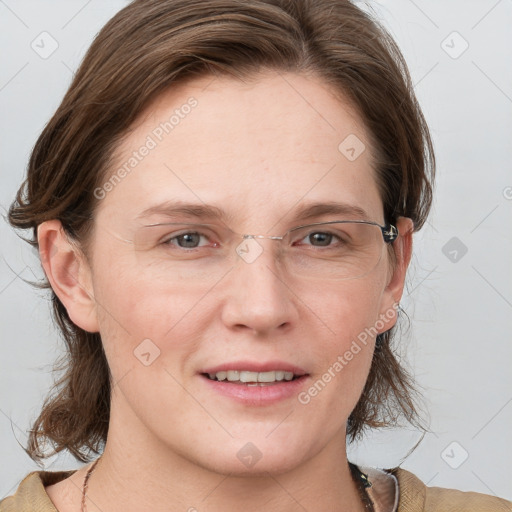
x=302 y=212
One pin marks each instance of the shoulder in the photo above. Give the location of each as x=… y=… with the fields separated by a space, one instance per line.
x=31 y=494
x=415 y=496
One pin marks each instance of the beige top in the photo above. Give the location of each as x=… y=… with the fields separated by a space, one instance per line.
x=393 y=490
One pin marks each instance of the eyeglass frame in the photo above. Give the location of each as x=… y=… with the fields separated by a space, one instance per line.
x=389 y=231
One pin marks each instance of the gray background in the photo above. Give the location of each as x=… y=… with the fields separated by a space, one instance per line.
x=459 y=302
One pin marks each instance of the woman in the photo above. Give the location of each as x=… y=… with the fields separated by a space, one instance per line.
x=224 y=205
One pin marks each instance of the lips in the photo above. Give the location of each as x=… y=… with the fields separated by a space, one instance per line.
x=255 y=384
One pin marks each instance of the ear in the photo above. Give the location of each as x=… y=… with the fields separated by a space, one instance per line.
x=402 y=248
x=68 y=273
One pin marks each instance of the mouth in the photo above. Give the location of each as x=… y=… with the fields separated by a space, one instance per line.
x=255 y=383
x=251 y=378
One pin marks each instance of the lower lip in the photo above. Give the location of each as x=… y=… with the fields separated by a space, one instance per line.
x=257 y=395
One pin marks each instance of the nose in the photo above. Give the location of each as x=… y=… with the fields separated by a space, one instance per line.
x=259 y=296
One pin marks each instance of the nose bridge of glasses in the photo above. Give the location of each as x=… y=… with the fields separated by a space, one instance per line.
x=250 y=247
x=271 y=237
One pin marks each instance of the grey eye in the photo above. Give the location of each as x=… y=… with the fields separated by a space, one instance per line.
x=323 y=239
x=189 y=239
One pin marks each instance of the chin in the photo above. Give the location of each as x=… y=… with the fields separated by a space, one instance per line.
x=253 y=458
x=262 y=468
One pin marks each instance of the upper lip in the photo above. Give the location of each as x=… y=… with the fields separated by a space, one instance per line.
x=254 y=366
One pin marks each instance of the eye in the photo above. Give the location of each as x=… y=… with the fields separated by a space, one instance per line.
x=187 y=240
x=308 y=236
x=320 y=238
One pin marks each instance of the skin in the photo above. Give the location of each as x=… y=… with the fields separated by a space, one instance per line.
x=256 y=149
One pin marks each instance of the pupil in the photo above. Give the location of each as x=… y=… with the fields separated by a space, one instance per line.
x=323 y=238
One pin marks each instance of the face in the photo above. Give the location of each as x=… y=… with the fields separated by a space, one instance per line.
x=258 y=151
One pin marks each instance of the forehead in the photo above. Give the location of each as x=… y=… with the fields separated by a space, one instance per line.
x=254 y=149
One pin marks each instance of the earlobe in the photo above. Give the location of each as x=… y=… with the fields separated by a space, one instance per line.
x=402 y=248
x=68 y=274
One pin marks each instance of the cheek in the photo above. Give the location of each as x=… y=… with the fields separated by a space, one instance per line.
x=347 y=309
x=139 y=314
x=342 y=322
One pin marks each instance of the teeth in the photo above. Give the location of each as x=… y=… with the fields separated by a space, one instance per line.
x=267 y=377
x=248 y=376
x=251 y=377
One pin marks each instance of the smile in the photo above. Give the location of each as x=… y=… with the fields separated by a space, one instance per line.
x=252 y=378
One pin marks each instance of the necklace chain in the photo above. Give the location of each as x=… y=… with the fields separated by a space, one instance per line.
x=361 y=479
x=86 y=484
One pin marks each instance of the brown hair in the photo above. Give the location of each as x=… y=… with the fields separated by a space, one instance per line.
x=144 y=49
